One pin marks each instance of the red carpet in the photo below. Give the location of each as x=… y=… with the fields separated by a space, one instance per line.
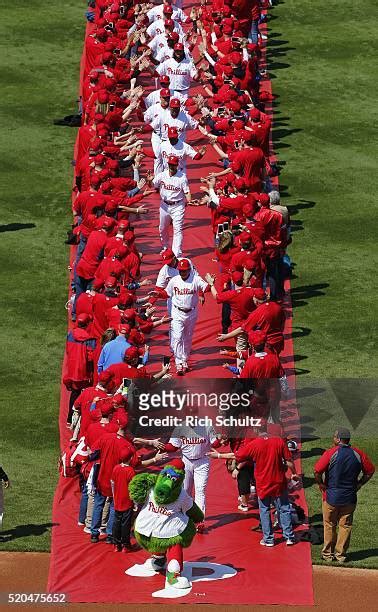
x=94 y=573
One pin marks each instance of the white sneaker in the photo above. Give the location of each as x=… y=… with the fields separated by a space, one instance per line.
x=87 y=530
x=269 y=544
x=290 y=542
x=243 y=507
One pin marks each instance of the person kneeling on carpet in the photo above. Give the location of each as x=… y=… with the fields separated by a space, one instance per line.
x=166 y=522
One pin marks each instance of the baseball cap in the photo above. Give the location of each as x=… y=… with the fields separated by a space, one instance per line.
x=178 y=47
x=105 y=377
x=84 y=318
x=107 y=222
x=164 y=79
x=123 y=225
x=165 y=93
x=172 y=132
x=234 y=106
x=131 y=353
x=103 y=97
x=245 y=237
x=168 y=10
x=263 y=198
x=237 y=276
x=128 y=236
x=167 y=255
x=343 y=433
x=130 y=313
x=169 y=23
x=175 y=103
x=173 y=160
x=259 y=294
x=173 y=36
x=255 y=114
x=136 y=337
x=257 y=337
x=123 y=328
x=184 y=264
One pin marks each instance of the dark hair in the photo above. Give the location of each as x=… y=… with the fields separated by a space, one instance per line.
x=108 y=335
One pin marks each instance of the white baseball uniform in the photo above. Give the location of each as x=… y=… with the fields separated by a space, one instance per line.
x=197 y=464
x=185 y=298
x=156 y=13
x=182 y=122
x=173 y=190
x=163 y=521
x=154 y=97
x=166 y=272
x=181 y=149
x=180 y=74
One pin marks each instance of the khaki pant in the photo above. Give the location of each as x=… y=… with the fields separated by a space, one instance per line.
x=105 y=512
x=336 y=544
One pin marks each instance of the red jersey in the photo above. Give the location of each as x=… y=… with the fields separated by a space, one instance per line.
x=241 y=302
x=111 y=447
x=124 y=370
x=121 y=477
x=251 y=162
x=97 y=430
x=262 y=366
x=93 y=253
x=270 y=318
x=269 y=455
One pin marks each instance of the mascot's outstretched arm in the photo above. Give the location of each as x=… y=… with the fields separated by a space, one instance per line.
x=140 y=486
x=195 y=513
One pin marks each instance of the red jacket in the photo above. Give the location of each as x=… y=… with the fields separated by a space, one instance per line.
x=78 y=364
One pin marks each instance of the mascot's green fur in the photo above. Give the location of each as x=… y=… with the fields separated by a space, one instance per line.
x=166 y=486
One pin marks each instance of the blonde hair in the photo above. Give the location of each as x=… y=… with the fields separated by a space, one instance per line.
x=226 y=241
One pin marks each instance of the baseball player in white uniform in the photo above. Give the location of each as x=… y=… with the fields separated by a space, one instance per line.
x=175 y=146
x=186 y=290
x=180 y=69
x=154 y=96
x=154 y=115
x=194 y=444
x=166 y=11
x=175 y=194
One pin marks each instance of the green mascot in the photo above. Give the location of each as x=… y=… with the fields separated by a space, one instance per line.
x=166 y=523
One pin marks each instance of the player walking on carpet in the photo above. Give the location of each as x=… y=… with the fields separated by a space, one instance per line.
x=186 y=291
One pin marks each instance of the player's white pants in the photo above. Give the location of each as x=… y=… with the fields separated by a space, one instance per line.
x=172 y=213
x=155 y=143
x=182 y=328
x=197 y=474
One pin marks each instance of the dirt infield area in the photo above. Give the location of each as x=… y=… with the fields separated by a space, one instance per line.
x=335 y=588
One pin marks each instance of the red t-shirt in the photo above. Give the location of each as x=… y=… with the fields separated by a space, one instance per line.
x=123 y=370
x=251 y=162
x=83 y=405
x=97 y=430
x=111 y=447
x=270 y=318
x=121 y=476
x=241 y=302
x=93 y=253
x=262 y=366
x=101 y=304
x=268 y=455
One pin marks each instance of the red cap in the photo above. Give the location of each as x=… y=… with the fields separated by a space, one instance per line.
x=165 y=93
x=126 y=298
x=107 y=222
x=172 y=132
x=123 y=328
x=255 y=114
x=168 y=10
x=178 y=464
x=84 y=318
x=240 y=184
x=249 y=264
x=105 y=377
x=173 y=160
x=175 y=103
x=136 y=337
x=131 y=353
x=123 y=225
x=235 y=57
x=164 y=79
x=129 y=314
x=184 y=264
x=263 y=199
x=169 y=23
x=173 y=36
x=234 y=106
x=259 y=294
x=178 y=47
x=245 y=237
x=257 y=338
x=237 y=277
x=167 y=255
x=129 y=236
x=110 y=282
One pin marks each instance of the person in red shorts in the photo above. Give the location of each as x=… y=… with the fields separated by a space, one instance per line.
x=123 y=506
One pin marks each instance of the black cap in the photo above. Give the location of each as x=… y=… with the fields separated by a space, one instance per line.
x=343 y=433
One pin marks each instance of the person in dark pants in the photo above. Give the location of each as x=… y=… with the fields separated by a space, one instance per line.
x=341 y=465
x=123 y=506
x=4 y=480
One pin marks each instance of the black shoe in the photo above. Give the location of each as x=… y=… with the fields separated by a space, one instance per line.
x=95 y=539
x=109 y=539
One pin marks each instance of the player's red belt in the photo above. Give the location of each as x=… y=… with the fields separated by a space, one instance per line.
x=186 y=310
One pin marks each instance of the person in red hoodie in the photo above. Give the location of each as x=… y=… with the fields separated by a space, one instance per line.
x=78 y=362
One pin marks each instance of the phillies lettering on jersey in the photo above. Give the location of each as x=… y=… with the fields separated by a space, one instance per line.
x=183 y=291
x=193 y=440
x=159 y=509
x=170 y=187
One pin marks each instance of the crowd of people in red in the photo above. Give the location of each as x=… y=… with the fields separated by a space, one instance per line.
x=217 y=49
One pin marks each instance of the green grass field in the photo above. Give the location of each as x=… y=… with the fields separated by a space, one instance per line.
x=323 y=61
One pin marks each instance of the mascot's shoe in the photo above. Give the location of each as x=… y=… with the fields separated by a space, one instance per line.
x=155 y=564
x=173 y=578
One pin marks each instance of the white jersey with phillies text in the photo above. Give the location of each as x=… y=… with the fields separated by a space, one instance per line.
x=166 y=273
x=180 y=73
x=196 y=443
x=171 y=188
x=184 y=293
x=156 y=13
x=164 y=521
x=182 y=122
x=181 y=149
